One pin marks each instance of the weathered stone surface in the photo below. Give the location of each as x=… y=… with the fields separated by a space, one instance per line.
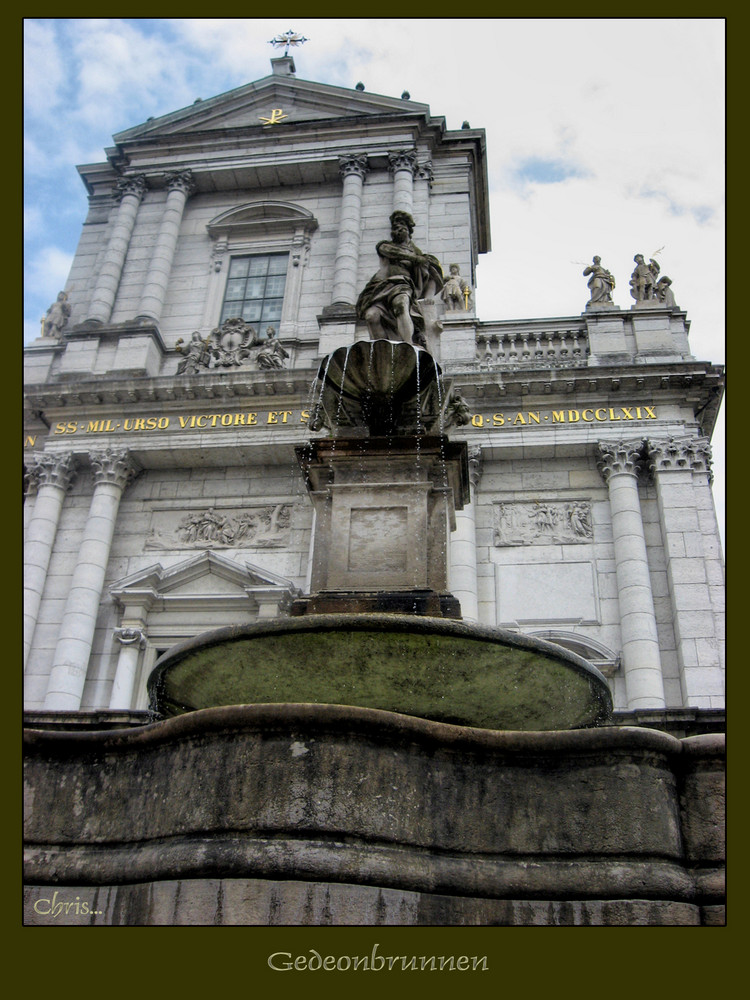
x=565 y=827
x=201 y=902
x=421 y=666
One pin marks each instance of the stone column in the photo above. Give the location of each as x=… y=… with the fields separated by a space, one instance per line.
x=130 y=191
x=132 y=641
x=179 y=186
x=53 y=475
x=353 y=169
x=464 y=546
x=112 y=471
x=620 y=464
x=403 y=165
x=695 y=572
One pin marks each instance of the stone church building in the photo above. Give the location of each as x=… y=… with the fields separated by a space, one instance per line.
x=221 y=259
x=167 y=401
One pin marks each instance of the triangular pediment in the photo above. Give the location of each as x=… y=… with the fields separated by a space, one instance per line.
x=272 y=103
x=183 y=578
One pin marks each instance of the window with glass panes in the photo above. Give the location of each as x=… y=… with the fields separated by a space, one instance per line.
x=255 y=290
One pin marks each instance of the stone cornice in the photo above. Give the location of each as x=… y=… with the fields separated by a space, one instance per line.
x=221 y=386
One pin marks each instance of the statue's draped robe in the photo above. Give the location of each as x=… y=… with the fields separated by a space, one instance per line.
x=410 y=271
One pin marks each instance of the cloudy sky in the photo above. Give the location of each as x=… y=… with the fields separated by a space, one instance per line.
x=604 y=136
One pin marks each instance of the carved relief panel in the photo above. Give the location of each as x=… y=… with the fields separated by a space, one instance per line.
x=543 y=522
x=263 y=527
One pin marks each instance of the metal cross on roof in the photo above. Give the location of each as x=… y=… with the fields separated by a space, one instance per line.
x=288 y=38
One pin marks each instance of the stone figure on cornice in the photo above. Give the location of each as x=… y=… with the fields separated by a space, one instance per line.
x=643 y=279
x=56 y=317
x=664 y=293
x=601 y=283
x=271 y=354
x=197 y=355
x=389 y=302
x=456 y=293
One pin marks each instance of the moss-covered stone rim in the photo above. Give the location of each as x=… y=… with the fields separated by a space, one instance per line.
x=392 y=624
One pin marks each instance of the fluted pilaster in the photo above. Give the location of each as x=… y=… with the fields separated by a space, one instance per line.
x=681 y=469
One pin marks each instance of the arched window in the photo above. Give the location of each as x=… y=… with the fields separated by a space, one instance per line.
x=603 y=658
x=259 y=252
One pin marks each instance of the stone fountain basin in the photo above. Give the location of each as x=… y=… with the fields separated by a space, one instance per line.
x=432 y=668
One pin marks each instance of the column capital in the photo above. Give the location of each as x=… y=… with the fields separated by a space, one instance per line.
x=403 y=159
x=50 y=470
x=425 y=171
x=130 y=637
x=113 y=466
x=680 y=454
x=353 y=163
x=135 y=185
x=621 y=457
x=181 y=180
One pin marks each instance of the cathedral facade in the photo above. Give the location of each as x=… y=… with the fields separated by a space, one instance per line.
x=223 y=256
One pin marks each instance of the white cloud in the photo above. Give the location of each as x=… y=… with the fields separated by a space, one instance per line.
x=47 y=272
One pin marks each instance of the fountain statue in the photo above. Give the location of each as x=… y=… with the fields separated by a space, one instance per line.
x=380 y=628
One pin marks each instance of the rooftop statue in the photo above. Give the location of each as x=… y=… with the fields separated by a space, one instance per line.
x=389 y=302
x=643 y=279
x=664 y=292
x=601 y=283
x=56 y=317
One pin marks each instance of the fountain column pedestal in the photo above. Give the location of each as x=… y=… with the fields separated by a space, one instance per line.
x=384 y=509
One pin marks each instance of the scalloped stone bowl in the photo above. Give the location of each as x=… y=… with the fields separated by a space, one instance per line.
x=387 y=386
x=431 y=668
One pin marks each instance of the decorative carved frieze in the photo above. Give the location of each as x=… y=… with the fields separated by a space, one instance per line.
x=113 y=466
x=403 y=159
x=547 y=522
x=682 y=454
x=353 y=163
x=616 y=457
x=130 y=637
x=49 y=470
x=263 y=527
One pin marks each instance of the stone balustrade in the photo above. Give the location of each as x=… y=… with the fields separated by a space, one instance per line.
x=531 y=346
